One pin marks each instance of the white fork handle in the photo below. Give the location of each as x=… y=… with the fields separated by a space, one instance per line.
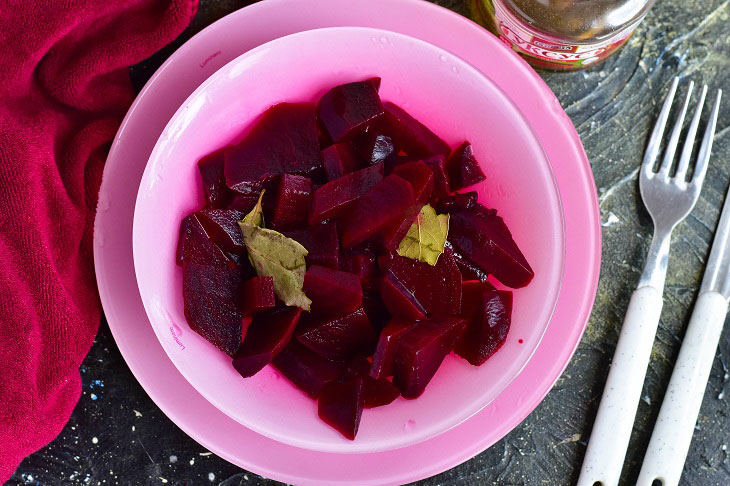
x=675 y=425
x=612 y=429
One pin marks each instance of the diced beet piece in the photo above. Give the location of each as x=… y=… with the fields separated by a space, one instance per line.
x=222 y=227
x=284 y=140
x=421 y=179
x=471 y=296
x=375 y=308
x=209 y=296
x=340 y=337
x=420 y=352
x=441 y=187
x=336 y=197
x=293 y=198
x=332 y=292
x=306 y=369
x=361 y=262
x=338 y=160
x=437 y=288
x=399 y=300
x=457 y=202
x=482 y=237
x=243 y=202
x=488 y=327
x=257 y=295
x=385 y=205
x=266 y=337
x=322 y=243
x=385 y=350
x=374 y=147
x=340 y=405
x=412 y=136
x=469 y=271
x=463 y=168
x=196 y=246
x=215 y=190
x=348 y=108
x=378 y=392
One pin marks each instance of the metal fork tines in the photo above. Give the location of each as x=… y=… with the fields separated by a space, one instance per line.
x=669 y=195
x=670 y=198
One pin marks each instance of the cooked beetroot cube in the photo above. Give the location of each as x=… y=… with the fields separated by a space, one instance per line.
x=412 y=136
x=222 y=227
x=243 y=202
x=322 y=243
x=385 y=350
x=488 y=327
x=338 y=160
x=385 y=205
x=284 y=140
x=421 y=179
x=463 y=168
x=399 y=300
x=332 y=292
x=209 y=295
x=215 y=190
x=340 y=405
x=457 y=202
x=266 y=337
x=293 y=198
x=361 y=262
x=437 y=288
x=469 y=271
x=257 y=295
x=482 y=237
x=196 y=246
x=471 y=296
x=375 y=308
x=421 y=350
x=340 y=337
x=441 y=187
x=379 y=392
x=374 y=147
x=306 y=369
x=336 y=197
x=348 y=108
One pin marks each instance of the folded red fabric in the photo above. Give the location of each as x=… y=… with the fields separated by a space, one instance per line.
x=64 y=89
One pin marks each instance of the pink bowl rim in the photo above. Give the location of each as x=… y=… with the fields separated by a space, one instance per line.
x=117 y=284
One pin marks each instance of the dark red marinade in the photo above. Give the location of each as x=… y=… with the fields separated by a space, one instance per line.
x=346 y=178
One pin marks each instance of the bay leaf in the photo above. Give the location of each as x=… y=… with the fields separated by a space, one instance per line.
x=426 y=237
x=255 y=217
x=275 y=255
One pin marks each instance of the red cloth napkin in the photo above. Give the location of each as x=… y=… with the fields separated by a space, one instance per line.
x=64 y=88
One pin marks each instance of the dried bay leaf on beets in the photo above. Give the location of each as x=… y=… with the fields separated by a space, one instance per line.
x=273 y=254
x=426 y=238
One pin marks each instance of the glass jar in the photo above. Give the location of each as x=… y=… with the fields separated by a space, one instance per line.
x=562 y=34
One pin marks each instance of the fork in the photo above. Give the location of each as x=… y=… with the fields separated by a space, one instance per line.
x=668 y=199
x=667 y=450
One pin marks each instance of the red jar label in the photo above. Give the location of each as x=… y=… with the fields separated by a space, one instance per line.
x=549 y=53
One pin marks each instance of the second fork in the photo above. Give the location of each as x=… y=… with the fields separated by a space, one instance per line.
x=669 y=199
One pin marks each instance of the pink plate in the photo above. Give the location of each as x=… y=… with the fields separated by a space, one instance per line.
x=449 y=96
x=181 y=74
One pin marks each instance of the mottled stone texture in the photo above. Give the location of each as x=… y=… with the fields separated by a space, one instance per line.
x=118 y=436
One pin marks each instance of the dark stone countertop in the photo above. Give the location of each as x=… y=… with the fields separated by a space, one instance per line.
x=118 y=436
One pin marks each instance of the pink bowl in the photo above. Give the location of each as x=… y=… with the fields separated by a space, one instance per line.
x=445 y=93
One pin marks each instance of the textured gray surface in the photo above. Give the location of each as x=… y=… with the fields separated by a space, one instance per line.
x=118 y=436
